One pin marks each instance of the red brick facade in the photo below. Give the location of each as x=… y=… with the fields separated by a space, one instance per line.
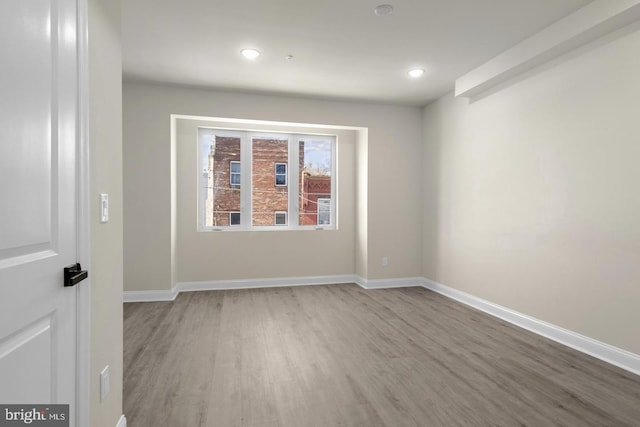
x=267 y=198
x=312 y=189
x=222 y=197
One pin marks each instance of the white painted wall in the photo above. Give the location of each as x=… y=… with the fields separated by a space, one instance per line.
x=362 y=197
x=392 y=160
x=531 y=192
x=105 y=146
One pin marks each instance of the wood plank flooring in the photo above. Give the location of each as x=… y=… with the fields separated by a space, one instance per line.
x=339 y=355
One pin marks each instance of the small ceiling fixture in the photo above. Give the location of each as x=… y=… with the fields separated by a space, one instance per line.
x=416 y=72
x=383 y=9
x=250 y=53
x=289 y=57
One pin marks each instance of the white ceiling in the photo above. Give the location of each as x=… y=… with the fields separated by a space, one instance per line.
x=341 y=49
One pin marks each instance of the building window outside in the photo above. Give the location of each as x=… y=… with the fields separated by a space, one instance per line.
x=234 y=173
x=324 y=211
x=281 y=174
x=234 y=218
x=291 y=176
x=281 y=218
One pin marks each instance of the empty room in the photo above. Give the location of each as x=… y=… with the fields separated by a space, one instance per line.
x=330 y=213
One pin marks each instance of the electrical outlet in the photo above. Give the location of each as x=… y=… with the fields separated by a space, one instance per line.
x=385 y=261
x=104 y=383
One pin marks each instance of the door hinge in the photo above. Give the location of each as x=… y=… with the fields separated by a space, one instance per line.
x=74 y=274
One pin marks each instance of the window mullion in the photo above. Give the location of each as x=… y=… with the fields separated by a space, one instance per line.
x=334 y=183
x=246 y=181
x=294 y=182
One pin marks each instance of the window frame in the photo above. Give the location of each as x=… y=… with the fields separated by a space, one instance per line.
x=205 y=137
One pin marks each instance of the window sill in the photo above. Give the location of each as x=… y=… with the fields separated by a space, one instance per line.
x=267 y=228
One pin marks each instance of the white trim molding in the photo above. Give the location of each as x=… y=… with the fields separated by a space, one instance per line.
x=610 y=354
x=216 y=285
x=213 y=285
x=389 y=283
x=122 y=422
x=83 y=191
x=150 y=296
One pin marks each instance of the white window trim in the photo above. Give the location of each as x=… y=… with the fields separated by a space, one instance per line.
x=275 y=174
x=206 y=134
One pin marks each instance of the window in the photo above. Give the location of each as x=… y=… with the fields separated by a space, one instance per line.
x=281 y=218
x=324 y=211
x=267 y=152
x=234 y=173
x=234 y=218
x=316 y=177
x=220 y=192
x=291 y=180
x=281 y=174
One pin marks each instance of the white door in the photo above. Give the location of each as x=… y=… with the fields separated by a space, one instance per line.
x=38 y=140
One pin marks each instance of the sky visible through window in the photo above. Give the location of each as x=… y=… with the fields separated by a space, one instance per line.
x=317 y=156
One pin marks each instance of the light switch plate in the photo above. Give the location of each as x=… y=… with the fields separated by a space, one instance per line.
x=104 y=207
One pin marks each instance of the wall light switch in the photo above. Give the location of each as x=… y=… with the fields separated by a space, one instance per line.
x=104 y=207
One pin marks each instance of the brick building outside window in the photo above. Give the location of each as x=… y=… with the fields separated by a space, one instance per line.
x=270 y=178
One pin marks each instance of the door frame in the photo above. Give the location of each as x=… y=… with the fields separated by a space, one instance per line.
x=83 y=212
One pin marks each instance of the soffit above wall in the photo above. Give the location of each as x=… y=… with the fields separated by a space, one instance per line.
x=341 y=50
x=581 y=27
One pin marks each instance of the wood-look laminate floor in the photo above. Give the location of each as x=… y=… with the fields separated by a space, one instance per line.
x=339 y=355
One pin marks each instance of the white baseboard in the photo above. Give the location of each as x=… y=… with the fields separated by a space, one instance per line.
x=122 y=422
x=610 y=354
x=149 y=296
x=216 y=285
x=389 y=283
x=213 y=285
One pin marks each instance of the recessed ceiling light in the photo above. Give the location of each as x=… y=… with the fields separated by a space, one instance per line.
x=250 y=53
x=416 y=72
x=383 y=9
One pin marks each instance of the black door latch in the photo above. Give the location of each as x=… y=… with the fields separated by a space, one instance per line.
x=74 y=274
